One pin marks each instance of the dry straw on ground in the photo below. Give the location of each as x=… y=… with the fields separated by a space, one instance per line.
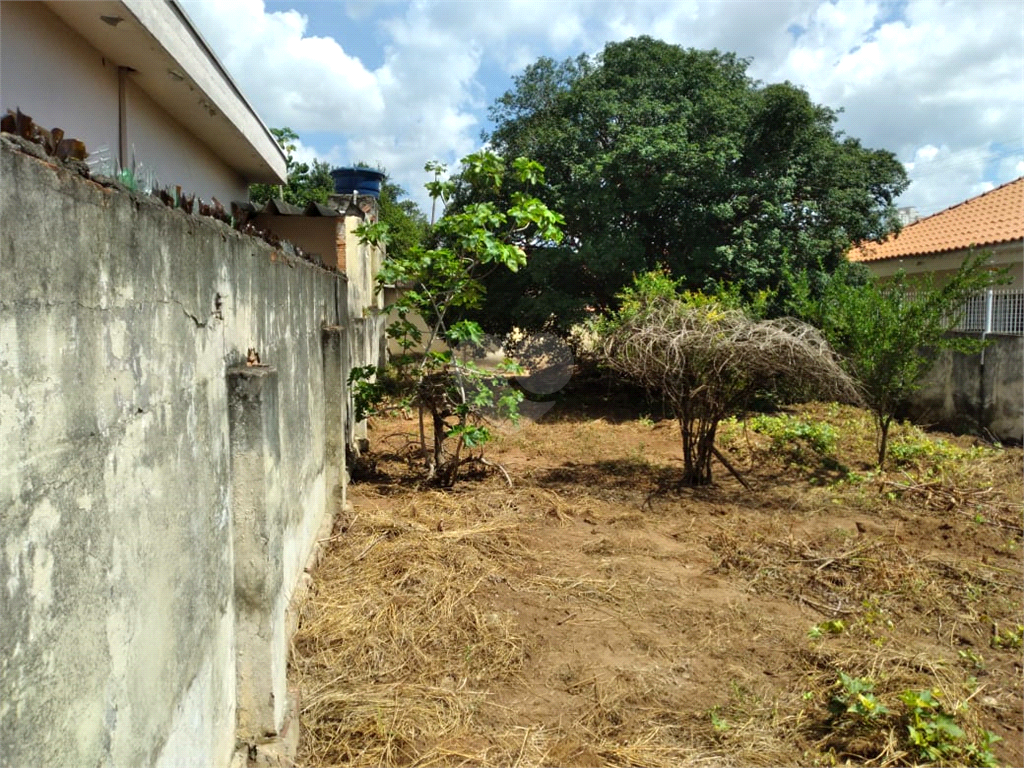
x=565 y=622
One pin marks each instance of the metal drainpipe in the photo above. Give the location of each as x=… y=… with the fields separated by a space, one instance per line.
x=986 y=330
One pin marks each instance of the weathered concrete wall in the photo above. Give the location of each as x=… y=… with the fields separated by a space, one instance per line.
x=134 y=530
x=961 y=395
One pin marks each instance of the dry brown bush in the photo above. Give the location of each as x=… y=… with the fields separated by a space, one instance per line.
x=709 y=362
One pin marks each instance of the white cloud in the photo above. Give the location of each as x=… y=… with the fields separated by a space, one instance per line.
x=942 y=176
x=294 y=79
x=938 y=83
x=946 y=74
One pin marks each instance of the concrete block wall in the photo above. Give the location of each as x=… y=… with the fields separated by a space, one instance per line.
x=152 y=528
x=963 y=394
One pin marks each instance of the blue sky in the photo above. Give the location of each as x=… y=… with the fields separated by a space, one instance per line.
x=398 y=83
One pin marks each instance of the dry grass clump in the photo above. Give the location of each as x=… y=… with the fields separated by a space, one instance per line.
x=393 y=653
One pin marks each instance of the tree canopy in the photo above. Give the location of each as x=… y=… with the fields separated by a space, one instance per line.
x=306 y=182
x=407 y=226
x=660 y=156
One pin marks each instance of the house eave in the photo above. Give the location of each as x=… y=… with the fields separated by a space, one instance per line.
x=997 y=248
x=172 y=63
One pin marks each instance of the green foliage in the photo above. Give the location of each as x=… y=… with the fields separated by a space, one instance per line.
x=786 y=430
x=407 y=227
x=912 y=448
x=375 y=391
x=855 y=701
x=929 y=733
x=367 y=393
x=1008 y=639
x=660 y=155
x=935 y=737
x=306 y=183
x=440 y=284
x=888 y=332
x=830 y=627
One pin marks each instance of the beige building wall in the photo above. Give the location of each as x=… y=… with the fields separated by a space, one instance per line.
x=315 y=235
x=158 y=142
x=57 y=78
x=391 y=295
x=1010 y=255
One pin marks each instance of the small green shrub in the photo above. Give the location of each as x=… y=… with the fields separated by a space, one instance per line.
x=855 y=701
x=787 y=432
x=935 y=737
x=831 y=627
x=930 y=734
x=913 y=448
x=1008 y=639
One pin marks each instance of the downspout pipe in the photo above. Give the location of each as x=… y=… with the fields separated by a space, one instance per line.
x=985 y=331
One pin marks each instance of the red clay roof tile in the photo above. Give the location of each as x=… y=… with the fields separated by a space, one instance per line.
x=996 y=216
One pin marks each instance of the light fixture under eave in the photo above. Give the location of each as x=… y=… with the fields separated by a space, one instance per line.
x=176 y=76
x=111 y=20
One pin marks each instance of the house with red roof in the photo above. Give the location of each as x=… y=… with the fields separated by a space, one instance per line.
x=982 y=392
x=992 y=221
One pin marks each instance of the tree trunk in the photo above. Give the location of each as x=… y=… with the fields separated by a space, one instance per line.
x=439 y=434
x=697 y=452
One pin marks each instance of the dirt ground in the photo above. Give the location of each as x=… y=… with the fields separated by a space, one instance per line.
x=596 y=614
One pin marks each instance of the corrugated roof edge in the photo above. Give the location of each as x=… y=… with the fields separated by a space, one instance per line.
x=278 y=207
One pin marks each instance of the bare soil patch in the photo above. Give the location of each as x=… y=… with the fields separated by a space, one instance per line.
x=595 y=614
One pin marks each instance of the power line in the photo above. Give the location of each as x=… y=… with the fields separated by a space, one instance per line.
x=942 y=165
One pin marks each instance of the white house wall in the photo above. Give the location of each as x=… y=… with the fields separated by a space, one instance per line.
x=942 y=266
x=56 y=77
x=161 y=143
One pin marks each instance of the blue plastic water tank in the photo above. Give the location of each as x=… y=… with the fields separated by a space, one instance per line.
x=365 y=181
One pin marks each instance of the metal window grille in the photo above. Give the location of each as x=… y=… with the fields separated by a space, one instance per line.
x=1008 y=311
x=972 y=316
x=996 y=311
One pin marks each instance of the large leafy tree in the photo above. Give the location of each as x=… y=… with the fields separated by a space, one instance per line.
x=407 y=226
x=306 y=182
x=664 y=156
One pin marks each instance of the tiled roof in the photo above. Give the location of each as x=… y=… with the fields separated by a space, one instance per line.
x=994 y=217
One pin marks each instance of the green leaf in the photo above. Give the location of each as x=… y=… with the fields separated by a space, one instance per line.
x=465 y=331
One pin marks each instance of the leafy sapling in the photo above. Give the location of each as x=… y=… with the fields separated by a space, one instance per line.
x=439 y=284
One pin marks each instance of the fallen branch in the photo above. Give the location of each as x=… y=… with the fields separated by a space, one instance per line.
x=485 y=462
x=732 y=470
